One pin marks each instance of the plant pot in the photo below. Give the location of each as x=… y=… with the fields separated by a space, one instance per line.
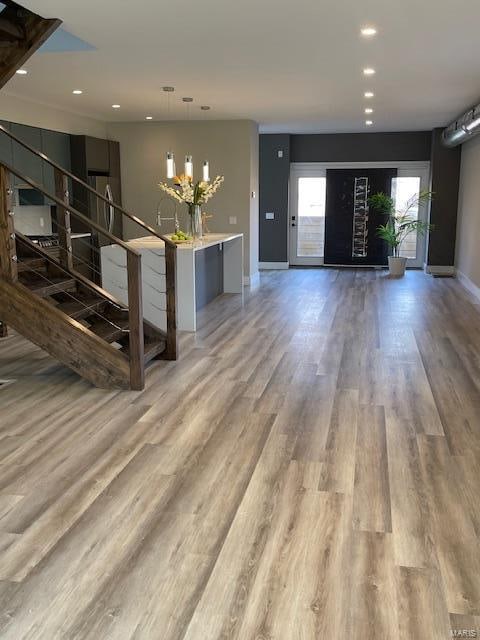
x=397 y=266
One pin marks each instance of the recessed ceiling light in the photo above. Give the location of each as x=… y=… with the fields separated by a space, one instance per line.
x=368 y=31
x=368 y=94
x=77 y=92
x=115 y=106
x=368 y=110
x=148 y=117
x=369 y=123
x=368 y=71
x=21 y=72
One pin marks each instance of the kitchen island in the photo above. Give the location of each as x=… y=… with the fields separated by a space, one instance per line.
x=205 y=268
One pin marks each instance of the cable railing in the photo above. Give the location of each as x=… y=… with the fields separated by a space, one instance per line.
x=14 y=265
x=67 y=186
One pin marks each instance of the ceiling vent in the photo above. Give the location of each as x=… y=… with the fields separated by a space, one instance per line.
x=465 y=127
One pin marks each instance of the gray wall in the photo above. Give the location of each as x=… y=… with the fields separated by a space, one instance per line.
x=414 y=146
x=445 y=177
x=274 y=179
x=468 y=230
x=230 y=146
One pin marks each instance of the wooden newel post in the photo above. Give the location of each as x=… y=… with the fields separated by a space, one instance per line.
x=135 y=321
x=171 y=349
x=63 y=221
x=8 y=250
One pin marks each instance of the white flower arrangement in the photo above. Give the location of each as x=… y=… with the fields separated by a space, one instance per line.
x=184 y=191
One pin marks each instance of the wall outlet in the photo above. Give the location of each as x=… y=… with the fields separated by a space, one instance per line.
x=280 y=153
x=233 y=219
x=270 y=215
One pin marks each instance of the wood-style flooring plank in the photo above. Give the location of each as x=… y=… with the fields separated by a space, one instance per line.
x=307 y=469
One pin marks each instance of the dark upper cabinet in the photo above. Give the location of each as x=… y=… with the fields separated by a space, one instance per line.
x=56 y=146
x=97 y=153
x=5 y=144
x=90 y=156
x=25 y=161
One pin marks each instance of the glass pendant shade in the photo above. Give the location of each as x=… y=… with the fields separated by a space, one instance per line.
x=170 y=166
x=189 y=166
x=206 y=172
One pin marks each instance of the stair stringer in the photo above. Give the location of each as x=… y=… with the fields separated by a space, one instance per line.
x=63 y=338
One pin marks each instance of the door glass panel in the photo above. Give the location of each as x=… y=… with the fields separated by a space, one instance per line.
x=311 y=216
x=404 y=190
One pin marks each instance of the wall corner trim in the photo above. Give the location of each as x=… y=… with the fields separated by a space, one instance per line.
x=252 y=280
x=469 y=285
x=266 y=266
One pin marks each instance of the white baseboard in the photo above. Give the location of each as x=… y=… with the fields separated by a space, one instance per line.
x=266 y=266
x=251 y=281
x=440 y=270
x=469 y=285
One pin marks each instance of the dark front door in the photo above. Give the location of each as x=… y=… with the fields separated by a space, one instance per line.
x=350 y=227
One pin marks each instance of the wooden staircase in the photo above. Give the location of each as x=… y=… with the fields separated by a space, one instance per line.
x=44 y=298
x=22 y=32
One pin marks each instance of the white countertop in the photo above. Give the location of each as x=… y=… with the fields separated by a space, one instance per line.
x=208 y=240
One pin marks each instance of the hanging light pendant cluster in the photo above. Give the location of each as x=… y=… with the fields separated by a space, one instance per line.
x=188 y=169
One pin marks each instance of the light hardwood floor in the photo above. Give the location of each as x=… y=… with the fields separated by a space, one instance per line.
x=309 y=469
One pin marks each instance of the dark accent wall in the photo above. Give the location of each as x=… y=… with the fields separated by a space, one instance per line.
x=361 y=147
x=445 y=178
x=273 y=197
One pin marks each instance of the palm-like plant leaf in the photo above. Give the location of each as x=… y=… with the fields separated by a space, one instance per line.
x=400 y=223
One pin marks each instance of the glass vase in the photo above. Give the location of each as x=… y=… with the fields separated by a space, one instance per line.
x=195 y=221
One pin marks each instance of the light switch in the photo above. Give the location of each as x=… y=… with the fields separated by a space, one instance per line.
x=42 y=222
x=270 y=215
x=280 y=153
x=233 y=219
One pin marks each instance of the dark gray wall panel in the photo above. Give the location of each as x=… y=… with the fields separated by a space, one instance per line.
x=361 y=147
x=445 y=178
x=273 y=193
x=208 y=275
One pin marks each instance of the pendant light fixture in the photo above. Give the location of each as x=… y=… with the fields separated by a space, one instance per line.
x=171 y=171
x=188 y=157
x=206 y=168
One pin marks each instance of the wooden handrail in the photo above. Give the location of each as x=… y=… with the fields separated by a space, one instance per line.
x=56 y=166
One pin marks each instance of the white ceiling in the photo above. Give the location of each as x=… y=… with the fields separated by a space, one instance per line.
x=291 y=66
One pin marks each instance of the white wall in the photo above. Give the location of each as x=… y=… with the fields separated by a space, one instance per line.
x=468 y=225
x=43 y=116
x=231 y=147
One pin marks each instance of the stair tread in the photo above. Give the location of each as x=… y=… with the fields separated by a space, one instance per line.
x=42 y=287
x=152 y=348
x=26 y=264
x=82 y=308
x=109 y=330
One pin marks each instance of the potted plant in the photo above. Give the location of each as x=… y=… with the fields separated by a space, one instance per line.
x=399 y=225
